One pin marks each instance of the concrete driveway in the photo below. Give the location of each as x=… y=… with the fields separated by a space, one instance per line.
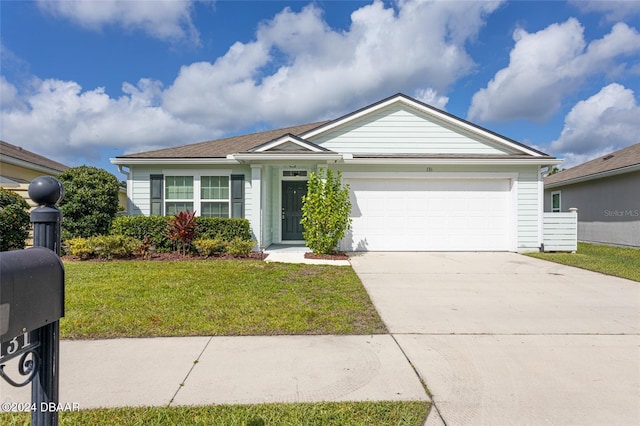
x=501 y=338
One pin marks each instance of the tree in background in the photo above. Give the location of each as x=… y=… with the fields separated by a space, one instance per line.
x=325 y=212
x=90 y=203
x=14 y=221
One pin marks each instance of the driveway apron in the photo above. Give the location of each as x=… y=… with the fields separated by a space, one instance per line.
x=501 y=338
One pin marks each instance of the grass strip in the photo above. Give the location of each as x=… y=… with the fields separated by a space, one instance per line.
x=295 y=414
x=213 y=297
x=617 y=261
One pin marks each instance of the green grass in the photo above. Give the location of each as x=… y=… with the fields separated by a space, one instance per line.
x=213 y=297
x=342 y=414
x=616 y=261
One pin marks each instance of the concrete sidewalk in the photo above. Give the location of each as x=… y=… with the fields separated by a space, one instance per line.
x=229 y=370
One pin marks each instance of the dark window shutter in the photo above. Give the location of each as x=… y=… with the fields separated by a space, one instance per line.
x=237 y=196
x=156 y=194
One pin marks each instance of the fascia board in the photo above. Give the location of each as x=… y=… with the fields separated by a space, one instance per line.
x=279 y=157
x=287 y=139
x=455 y=161
x=609 y=173
x=128 y=161
x=348 y=118
x=27 y=165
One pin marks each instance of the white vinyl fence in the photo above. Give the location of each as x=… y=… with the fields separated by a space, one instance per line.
x=560 y=231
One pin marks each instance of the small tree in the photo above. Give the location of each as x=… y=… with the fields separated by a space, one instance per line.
x=90 y=203
x=325 y=212
x=14 y=220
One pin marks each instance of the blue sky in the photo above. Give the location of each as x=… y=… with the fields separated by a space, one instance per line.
x=85 y=81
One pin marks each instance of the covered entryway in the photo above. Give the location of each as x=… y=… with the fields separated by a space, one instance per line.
x=397 y=214
x=292 y=192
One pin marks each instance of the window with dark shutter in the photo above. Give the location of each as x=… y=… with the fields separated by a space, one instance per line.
x=156 y=194
x=237 y=196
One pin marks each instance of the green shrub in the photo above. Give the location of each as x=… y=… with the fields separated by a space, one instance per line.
x=110 y=246
x=224 y=228
x=14 y=221
x=80 y=247
x=90 y=202
x=210 y=247
x=155 y=227
x=103 y=246
x=152 y=228
x=325 y=212
x=239 y=247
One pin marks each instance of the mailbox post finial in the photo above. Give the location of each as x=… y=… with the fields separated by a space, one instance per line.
x=46 y=191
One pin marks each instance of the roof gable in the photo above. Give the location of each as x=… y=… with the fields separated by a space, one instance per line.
x=403 y=125
x=621 y=161
x=288 y=142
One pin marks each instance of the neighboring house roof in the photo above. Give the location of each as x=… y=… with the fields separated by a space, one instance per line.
x=18 y=156
x=297 y=142
x=623 y=161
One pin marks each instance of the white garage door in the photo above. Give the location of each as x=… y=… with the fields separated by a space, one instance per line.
x=430 y=214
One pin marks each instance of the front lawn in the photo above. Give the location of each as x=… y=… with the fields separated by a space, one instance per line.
x=616 y=261
x=213 y=297
x=328 y=413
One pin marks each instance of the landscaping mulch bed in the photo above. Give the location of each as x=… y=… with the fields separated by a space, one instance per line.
x=336 y=256
x=171 y=256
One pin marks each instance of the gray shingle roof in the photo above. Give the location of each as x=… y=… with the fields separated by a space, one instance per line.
x=8 y=150
x=626 y=157
x=220 y=148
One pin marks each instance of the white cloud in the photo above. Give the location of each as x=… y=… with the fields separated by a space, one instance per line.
x=297 y=69
x=431 y=97
x=315 y=71
x=8 y=94
x=605 y=122
x=613 y=10
x=64 y=122
x=165 y=20
x=547 y=65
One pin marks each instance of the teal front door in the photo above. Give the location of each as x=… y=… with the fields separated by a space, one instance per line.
x=292 y=192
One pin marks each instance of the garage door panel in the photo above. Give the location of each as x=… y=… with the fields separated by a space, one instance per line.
x=430 y=214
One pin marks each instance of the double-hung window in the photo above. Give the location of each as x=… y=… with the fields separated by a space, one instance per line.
x=214 y=196
x=178 y=194
x=208 y=193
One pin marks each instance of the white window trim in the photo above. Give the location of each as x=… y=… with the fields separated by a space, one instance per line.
x=553 y=210
x=197 y=178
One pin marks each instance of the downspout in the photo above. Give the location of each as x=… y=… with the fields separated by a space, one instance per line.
x=541 y=208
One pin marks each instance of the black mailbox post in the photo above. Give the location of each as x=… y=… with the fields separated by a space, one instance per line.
x=32 y=302
x=31 y=291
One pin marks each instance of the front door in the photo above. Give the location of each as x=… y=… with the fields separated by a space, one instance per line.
x=292 y=192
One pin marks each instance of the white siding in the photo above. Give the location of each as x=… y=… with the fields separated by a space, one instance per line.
x=399 y=129
x=139 y=189
x=529 y=210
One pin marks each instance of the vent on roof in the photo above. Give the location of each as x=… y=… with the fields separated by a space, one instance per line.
x=608 y=157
